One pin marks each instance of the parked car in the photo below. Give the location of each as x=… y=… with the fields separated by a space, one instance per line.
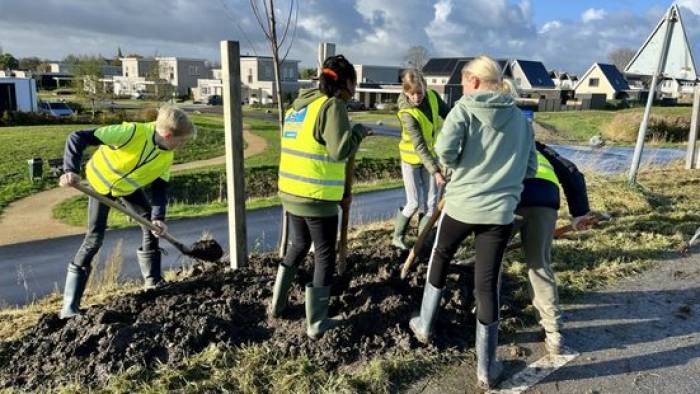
x=215 y=100
x=355 y=105
x=138 y=96
x=55 y=108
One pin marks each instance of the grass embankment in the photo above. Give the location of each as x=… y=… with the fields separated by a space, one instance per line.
x=668 y=125
x=649 y=223
x=376 y=148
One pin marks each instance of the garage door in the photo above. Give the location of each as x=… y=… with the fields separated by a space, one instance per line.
x=8 y=98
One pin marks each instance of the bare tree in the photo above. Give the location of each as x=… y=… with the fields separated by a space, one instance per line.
x=87 y=71
x=416 y=57
x=620 y=57
x=265 y=15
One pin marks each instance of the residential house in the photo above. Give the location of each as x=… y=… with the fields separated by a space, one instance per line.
x=377 y=84
x=159 y=76
x=258 y=79
x=563 y=80
x=676 y=88
x=532 y=80
x=18 y=94
x=603 y=79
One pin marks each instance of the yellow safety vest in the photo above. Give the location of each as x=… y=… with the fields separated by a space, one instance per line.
x=306 y=169
x=125 y=169
x=429 y=128
x=545 y=170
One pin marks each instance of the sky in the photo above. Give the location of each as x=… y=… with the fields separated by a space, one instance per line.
x=566 y=35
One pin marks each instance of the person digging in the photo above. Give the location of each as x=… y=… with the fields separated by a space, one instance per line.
x=129 y=157
x=316 y=143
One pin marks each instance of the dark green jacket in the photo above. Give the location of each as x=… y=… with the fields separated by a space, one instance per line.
x=411 y=124
x=333 y=130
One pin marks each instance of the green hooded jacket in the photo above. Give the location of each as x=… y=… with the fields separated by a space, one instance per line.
x=490 y=146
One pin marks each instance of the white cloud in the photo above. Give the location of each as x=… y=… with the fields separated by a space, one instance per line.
x=593 y=14
x=550 y=26
x=366 y=31
x=693 y=5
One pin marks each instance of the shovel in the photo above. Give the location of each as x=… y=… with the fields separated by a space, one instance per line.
x=208 y=250
x=418 y=246
x=345 y=219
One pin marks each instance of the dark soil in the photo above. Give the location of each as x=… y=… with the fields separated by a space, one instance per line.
x=207 y=250
x=217 y=305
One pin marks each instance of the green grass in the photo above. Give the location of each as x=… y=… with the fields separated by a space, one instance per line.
x=580 y=126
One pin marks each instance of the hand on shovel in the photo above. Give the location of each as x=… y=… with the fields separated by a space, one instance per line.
x=162 y=228
x=69 y=179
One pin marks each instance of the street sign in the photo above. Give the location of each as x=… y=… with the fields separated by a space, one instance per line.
x=679 y=62
x=665 y=53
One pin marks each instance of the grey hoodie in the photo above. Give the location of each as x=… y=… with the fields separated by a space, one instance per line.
x=490 y=146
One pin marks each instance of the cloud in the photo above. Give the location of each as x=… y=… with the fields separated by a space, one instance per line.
x=593 y=14
x=366 y=31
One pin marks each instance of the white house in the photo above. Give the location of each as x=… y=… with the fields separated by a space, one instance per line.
x=377 y=84
x=258 y=76
x=18 y=94
x=676 y=88
x=147 y=75
x=603 y=79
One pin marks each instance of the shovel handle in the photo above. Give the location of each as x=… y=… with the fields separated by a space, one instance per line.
x=130 y=213
x=418 y=246
x=345 y=218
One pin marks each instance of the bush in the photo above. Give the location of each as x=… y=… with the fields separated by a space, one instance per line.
x=614 y=105
x=624 y=127
x=202 y=187
x=259 y=105
x=16 y=118
x=76 y=107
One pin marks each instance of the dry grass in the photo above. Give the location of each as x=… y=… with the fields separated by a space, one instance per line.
x=649 y=224
x=624 y=127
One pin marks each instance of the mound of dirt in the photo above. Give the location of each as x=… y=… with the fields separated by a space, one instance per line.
x=217 y=305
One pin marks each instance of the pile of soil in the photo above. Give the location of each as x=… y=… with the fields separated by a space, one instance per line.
x=217 y=305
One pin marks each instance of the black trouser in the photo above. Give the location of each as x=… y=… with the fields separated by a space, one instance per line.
x=490 y=242
x=323 y=232
x=97 y=224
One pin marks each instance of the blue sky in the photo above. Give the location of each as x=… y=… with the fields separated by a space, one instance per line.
x=568 y=35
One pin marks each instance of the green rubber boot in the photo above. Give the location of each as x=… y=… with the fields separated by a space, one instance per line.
x=285 y=277
x=149 y=263
x=400 y=226
x=76 y=279
x=317 y=301
x=488 y=369
x=422 y=323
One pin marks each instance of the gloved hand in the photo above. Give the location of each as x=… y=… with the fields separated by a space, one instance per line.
x=163 y=228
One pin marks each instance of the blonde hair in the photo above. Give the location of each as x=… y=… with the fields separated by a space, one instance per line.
x=412 y=79
x=489 y=73
x=174 y=120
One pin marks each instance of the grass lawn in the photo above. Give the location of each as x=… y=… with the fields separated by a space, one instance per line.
x=372 y=117
x=580 y=126
x=649 y=223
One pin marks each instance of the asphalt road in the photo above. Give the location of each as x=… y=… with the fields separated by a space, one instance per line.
x=34 y=269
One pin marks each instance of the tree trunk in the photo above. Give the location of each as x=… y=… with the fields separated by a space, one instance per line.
x=276 y=62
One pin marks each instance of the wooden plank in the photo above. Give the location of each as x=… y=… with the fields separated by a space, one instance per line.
x=235 y=172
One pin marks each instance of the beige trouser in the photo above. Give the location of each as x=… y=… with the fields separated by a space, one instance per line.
x=537 y=230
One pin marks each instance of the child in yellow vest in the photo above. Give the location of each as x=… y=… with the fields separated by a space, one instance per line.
x=130 y=157
x=420 y=111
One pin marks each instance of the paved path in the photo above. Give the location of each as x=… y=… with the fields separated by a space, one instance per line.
x=641 y=335
x=32 y=218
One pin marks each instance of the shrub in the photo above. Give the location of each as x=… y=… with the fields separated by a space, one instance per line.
x=668 y=128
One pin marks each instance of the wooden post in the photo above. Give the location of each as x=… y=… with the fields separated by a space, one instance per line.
x=691 y=159
x=235 y=172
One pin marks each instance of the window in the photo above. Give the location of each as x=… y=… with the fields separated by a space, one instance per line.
x=434 y=81
x=250 y=79
x=593 y=82
x=172 y=76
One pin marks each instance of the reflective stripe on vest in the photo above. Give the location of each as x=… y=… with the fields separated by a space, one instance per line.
x=545 y=170
x=428 y=127
x=306 y=169
x=121 y=171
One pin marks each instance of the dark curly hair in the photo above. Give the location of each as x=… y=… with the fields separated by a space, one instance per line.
x=336 y=72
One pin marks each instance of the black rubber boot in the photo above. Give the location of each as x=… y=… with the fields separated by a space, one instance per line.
x=400 y=226
x=149 y=263
x=76 y=279
x=280 y=292
x=317 y=301
x=488 y=370
x=422 y=324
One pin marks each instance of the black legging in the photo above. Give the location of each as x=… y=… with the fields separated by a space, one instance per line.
x=490 y=243
x=323 y=232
